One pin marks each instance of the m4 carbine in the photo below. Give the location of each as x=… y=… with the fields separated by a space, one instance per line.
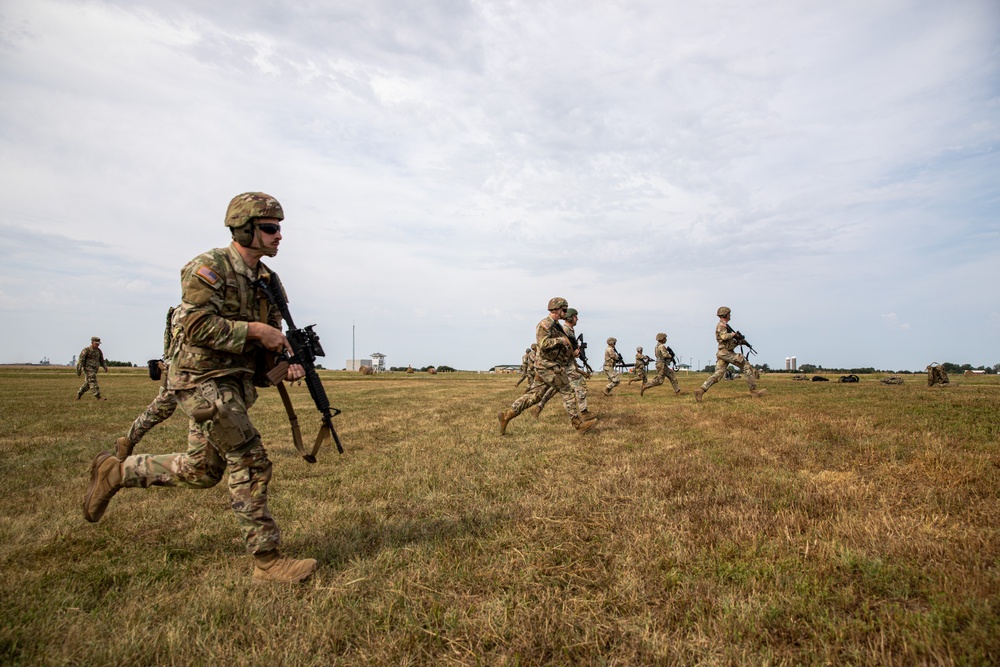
x=582 y=346
x=741 y=340
x=305 y=348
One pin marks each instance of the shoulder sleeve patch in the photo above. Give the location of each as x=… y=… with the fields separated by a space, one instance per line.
x=207 y=274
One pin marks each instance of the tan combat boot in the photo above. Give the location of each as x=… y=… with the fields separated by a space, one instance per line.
x=105 y=480
x=504 y=416
x=273 y=567
x=643 y=388
x=757 y=393
x=535 y=411
x=584 y=425
x=678 y=392
x=698 y=393
x=587 y=414
x=123 y=448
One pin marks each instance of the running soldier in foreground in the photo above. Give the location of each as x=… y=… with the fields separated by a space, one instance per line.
x=165 y=403
x=728 y=341
x=611 y=358
x=555 y=351
x=227 y=329
x=577 y=378
x=663 y=370
x=91 y=360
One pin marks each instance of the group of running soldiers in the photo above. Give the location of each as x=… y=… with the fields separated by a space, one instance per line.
x=550 y=366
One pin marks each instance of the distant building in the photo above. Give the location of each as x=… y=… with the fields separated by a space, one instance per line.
x=355 y=364
x=378 y=360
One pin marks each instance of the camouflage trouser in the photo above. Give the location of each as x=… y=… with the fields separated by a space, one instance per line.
x=663 y=371
x=723 y=359
x=579 y=384
x=549 y=378
x=159 y=410
x=89 y=382
x=640 y=374
x=226 y=441
x=613 y=378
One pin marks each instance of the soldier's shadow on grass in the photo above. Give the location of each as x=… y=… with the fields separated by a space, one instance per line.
x=361 y=541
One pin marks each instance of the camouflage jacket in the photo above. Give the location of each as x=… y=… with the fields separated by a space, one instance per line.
x=90 y=360
x=552 y=352
x=525 y=363
x=212 y=322
x=610 y=357
x=726 y=340
x=662 y=355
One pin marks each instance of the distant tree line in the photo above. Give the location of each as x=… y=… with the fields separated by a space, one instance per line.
x=122 y=364
x=439 y=369
x=816 y=368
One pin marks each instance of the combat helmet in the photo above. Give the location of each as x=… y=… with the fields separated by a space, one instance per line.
x=723 y=311
x=661 y=337
x=244 y=209
x=612 y=341
x=557 y=302
x=571 y=312
x=639 y=349
x=95 y=339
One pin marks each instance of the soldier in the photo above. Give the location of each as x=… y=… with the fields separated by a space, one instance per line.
x=165 y=403
x=663 y=369
x=524 y=366
x=90 y=361
x=532 y=356
x=725 y=355
x=611 y=357
x=554 y=353
x=639 y=370
x=577 y=378
x=226 y=328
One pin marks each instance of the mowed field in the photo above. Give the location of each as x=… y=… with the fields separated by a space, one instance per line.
x=823 y=524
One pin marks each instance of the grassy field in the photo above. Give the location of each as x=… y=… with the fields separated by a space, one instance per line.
x=824 y=524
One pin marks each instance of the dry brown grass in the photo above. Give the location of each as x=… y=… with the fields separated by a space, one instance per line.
x=824 y=524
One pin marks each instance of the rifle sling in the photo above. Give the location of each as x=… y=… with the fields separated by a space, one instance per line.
x=296 y=431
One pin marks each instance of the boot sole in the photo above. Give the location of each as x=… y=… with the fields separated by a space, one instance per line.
x=94 y=470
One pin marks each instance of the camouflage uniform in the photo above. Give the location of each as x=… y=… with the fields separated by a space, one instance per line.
x=165 y=402
x=210 y=374
x=663 y=369
x=639 y=370
x=725 y=356
x=90 y=360
x=552 y=357
x=576 y=378
x=611 y=357
x=532 y=356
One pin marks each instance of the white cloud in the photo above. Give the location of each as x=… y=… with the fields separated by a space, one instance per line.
x=647 y=160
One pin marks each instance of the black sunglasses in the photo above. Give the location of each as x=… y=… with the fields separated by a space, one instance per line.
x=269 y=228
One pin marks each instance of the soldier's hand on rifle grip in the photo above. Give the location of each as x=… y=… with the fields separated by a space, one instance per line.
x=295 y=372
x=269 y=337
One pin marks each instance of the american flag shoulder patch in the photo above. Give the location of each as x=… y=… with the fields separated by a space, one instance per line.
x=207 y=274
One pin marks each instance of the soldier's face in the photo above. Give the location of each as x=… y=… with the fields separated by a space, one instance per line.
x=270 y=233
x=95 y=345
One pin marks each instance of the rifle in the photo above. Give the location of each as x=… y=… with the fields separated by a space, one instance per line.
x=305 y=347
x=740 y=339
x=582 y=346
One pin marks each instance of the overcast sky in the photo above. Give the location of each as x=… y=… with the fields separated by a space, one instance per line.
x=828 y=170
